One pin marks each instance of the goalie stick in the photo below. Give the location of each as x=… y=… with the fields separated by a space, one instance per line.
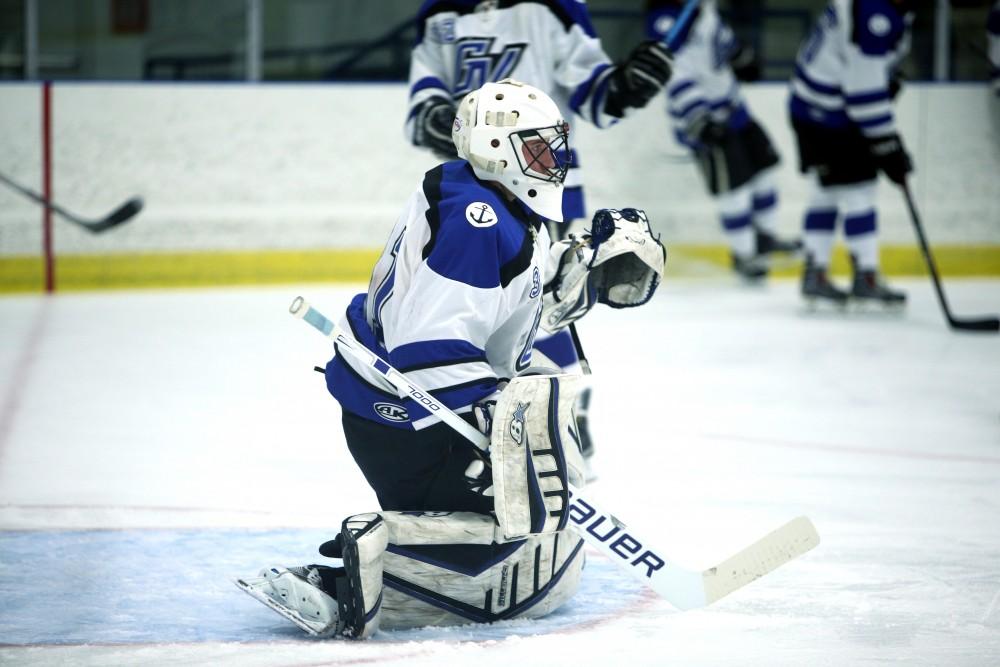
x=122 y=214
x=681 y=587
x=989 y=324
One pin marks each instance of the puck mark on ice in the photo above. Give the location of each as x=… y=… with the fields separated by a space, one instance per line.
x=480 y=214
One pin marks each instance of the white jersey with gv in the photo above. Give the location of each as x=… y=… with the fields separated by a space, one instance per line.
x=550 y=45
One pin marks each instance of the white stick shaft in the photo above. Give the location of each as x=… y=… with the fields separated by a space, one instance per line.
x=683 y=588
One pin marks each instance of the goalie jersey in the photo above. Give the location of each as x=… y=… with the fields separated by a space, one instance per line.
x=454 y=300
x=843 y=70
x=703 y=82
x=550 y=44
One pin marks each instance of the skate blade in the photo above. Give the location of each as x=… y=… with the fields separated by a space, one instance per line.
x=874 y=307
x=816 y=304
x=250 y=587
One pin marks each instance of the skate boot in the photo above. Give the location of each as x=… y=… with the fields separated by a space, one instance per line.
x=752 y=269
x=331 y=601
x=869 y=287
x=302 y=595
x=816 y=286
x=768 y=243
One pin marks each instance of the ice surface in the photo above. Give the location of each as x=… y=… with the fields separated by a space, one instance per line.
x=154 y=445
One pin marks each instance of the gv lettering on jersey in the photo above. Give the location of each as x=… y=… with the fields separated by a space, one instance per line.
x=610 y=531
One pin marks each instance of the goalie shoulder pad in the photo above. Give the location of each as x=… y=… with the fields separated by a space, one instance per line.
x=628 y=260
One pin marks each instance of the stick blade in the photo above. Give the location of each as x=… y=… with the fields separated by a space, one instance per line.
x=765 y=555
x=122 y=214
x=987 y=324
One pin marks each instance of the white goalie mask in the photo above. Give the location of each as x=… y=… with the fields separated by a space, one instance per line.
x=514 y=134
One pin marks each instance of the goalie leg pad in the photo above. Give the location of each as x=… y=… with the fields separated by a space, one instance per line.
x=443 y=568
x=535 y=453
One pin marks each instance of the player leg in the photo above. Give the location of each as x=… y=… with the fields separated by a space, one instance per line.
x=736 y=215
x=820 y=160
x=422 y=469
x=861 y=232
x=763 y=160
x=819 y=225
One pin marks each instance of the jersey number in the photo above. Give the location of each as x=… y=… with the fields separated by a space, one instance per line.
x=476 y=65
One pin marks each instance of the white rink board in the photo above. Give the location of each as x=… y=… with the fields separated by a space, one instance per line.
x=275 y=166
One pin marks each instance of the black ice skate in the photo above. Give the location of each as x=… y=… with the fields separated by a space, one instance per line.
x=816 y=286
x=752 y=269
x=869 y=287
x=768 y=243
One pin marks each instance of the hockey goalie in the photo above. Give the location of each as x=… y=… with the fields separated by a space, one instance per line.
x=465 y=280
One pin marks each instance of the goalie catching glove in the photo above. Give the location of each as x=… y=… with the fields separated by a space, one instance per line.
x=619 y=263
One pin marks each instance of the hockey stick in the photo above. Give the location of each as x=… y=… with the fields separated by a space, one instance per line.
x=683 y=19
x=121 y=214
x=990 y=324
x=683 y=588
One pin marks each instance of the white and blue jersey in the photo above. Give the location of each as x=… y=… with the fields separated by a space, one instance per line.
x=454 y=300
x=843 y=70
x=550 y=44
x=703 y=81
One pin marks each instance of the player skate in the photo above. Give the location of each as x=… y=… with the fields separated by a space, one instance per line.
x=751 y=269
x=330 y=601
x=817 y=288
x=869 y=287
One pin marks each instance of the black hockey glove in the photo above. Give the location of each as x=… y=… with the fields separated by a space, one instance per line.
x=745 y=63
x=637 y=80
x=432 y=129
x=891 y=157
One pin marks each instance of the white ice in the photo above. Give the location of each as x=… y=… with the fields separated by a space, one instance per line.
x=155 y=444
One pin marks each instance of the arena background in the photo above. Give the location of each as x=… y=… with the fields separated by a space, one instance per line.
x=279 y=155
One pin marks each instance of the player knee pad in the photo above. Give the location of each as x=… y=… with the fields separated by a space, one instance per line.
x=535 y=454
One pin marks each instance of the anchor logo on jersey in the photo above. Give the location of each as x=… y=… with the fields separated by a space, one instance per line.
x=480 y=214
x=475 y=65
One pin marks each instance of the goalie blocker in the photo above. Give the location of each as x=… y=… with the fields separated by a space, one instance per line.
x=412 y=569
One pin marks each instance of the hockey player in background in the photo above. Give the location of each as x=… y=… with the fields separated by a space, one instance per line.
x=455 y=300
x=841 y=110
x=550 y=44
x=711 y=118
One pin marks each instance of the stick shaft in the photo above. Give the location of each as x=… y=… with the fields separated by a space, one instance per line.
x=991 y=324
